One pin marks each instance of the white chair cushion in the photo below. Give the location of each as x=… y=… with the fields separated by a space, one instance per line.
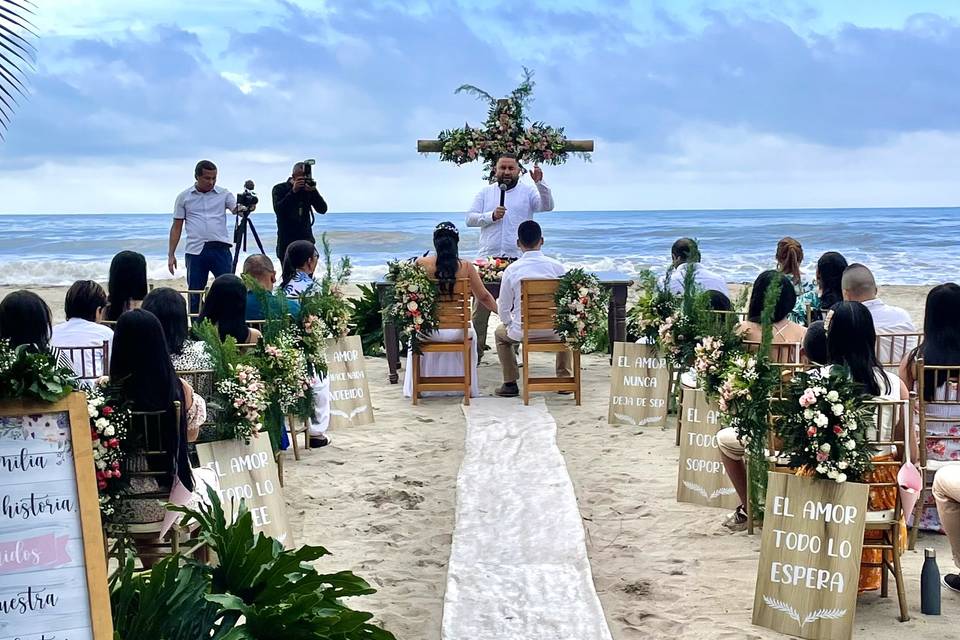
x=934 y=465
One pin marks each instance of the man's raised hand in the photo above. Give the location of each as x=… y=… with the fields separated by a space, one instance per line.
x=537 y=173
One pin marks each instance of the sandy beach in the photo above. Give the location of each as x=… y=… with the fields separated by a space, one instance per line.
x=381 y=499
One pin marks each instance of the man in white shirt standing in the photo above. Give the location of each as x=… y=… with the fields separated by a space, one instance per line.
x=686 y=255
x=859 y=285
x=203 y=210
x=531 y=265
x=499 y=219
x=84 y=309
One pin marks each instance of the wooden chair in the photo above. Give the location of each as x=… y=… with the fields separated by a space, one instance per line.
x=944 y=410
x=539 y=313
x=89 y=362
x=202 y=381
x=893 y=347
x=782 y=352
x=730 y=319
x=148 y=453
x=453 y=313
x=257 y=324
x=883 y=478
x=295 y=426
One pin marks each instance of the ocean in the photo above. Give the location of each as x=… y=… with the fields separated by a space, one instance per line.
x=901 y=246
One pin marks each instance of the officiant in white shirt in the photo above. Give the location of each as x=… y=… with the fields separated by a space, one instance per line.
x=499 y=222
x=531 y=265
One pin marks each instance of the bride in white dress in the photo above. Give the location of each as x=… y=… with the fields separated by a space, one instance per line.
x=447 y=267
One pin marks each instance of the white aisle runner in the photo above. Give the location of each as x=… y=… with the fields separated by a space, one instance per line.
x=518 y=565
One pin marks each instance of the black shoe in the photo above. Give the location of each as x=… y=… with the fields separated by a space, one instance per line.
x=507 y=390
x=952 y=581
x=565 y=392
x=319 y=441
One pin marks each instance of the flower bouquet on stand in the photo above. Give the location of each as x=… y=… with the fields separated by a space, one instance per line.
x=491 y=269
x=109 y=425
x=581 y=308
x=652 y=308
x=413 y=305
x=824 y=425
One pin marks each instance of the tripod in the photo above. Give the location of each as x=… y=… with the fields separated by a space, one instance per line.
x=240 y=237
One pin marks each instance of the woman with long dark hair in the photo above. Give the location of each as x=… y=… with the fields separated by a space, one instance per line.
x=170 y=309
x=446 y=267
x=299 y=264
x=25 y=319
x=141 y=371
x=226 y=307
x=830 y=268
x=127 y=286
x=940 y=347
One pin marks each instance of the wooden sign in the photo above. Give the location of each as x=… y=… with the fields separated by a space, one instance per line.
x=53 y=574
x=701 y=477
x=350 y=403
x=639 y=386
x=810 y=557
x=248 y=472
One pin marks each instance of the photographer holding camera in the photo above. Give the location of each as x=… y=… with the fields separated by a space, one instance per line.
x=294 y=202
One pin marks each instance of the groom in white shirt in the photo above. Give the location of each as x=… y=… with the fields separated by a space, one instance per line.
x=532 y=264
x=499 y=224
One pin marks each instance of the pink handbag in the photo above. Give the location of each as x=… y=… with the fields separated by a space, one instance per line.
x=909 y=480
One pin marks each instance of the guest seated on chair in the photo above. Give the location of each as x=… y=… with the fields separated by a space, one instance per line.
x=299 y=265
x=946 y=491
x=25 y=320
x=830 y=268
x=814 y=347
x=170 y=309
x=84 y=308
x=259 y=267
x=859 y=285
x=226 y=307
x=532 y=264
x=784 y=332
x=686 y=255
x=446 y=267
x=142 y=371
x=127 y=286
x=789 y=258
x=940 y=347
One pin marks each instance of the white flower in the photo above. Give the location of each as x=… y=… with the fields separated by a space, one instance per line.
x=101 y=465
x=821 y=469
x=841 y=477
x=92 y=410
x=101 y=423
x=825 y=447
x=833 y=396
x=850 y=444
x=808 y=414
x=820 y=420
x=413 y=306
x=584 y=292
x=832 y=473
x=843 y=464
x=413 y=288
x=109 y=431
x=837 y=409
x=96 y=453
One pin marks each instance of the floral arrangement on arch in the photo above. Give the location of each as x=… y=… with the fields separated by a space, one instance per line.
x=824 y=425
x=26 y=372
x=491 y=269
x=581 y=308
x=413 y=306
x=654 y=305
x=505 y=131
x=109 y=425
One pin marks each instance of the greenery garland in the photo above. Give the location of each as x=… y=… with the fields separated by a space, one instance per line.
x=581 y=308
x=505 y=131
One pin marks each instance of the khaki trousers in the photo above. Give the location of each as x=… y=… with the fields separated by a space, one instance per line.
x=508 y=357
x=946 y=490
x=481 y=318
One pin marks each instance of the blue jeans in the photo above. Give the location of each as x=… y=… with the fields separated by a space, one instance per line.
x=214 y=259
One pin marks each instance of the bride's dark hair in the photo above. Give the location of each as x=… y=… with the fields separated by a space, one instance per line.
x=446 y=242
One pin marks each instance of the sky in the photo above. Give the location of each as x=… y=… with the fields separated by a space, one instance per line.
x=692 y=104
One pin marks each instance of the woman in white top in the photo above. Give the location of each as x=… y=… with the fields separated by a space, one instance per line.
x=447 y=267
x=25 y=319
x=299 y=264
x=940 y=347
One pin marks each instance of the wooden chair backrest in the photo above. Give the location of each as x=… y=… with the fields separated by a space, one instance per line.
x=892 y=348
x=538 y=308
x=729 y=319
x=782 y=352
x=786 y=372
x=89 y=362
x=453 y=311
x=887 y=414
x=148 y=457
x=257 y=324
x=945 y=388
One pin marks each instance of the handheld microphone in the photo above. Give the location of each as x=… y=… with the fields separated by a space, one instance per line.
x=503 y=192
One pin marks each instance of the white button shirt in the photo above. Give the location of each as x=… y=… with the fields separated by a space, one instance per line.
x=889 y=319
x=205 y=216
x=531 y=265
x=77 y=332
x=705 y=279
x=499 y=238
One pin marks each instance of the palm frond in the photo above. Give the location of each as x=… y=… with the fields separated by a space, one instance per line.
x=17 y=55
x=476 y=92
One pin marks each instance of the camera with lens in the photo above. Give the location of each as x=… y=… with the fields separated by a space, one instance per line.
x=308 y=172
x=248 y=199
